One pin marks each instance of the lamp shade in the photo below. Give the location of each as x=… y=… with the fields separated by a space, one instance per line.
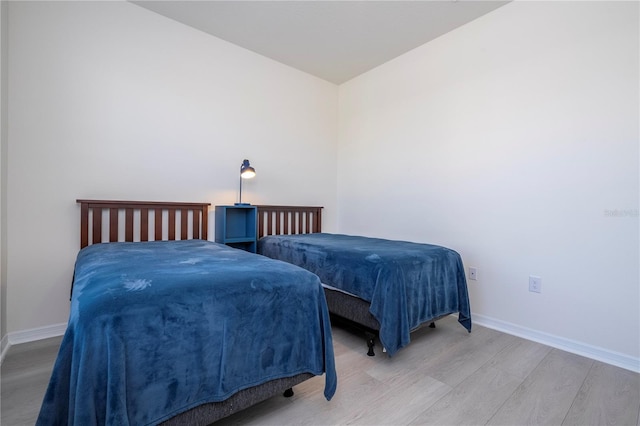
x=246 y=171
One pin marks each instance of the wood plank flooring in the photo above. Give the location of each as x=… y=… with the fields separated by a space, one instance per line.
x=446 y=376
x=24 y=376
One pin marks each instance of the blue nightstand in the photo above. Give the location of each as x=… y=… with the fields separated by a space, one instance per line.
x=236 y=226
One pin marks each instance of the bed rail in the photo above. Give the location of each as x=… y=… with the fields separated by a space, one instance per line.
x=285 y=220
x=131 y=220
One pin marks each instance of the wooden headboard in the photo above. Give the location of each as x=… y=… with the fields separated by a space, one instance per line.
x=133 y=219
x=284 y=220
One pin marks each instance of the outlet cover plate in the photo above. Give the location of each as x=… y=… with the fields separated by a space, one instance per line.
x=473 y=273
x=535 y=284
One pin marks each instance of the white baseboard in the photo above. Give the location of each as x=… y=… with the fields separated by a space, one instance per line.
x=609 y=357
x=593 y=352
x=39 y=333
x=4 y=347
x=30 y=335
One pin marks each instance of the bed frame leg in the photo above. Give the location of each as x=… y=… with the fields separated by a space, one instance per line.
x=432 y=325
x=371 y=344
x=288 y=393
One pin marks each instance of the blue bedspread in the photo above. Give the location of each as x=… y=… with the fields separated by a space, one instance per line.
x=406 y=283
x=157 y=328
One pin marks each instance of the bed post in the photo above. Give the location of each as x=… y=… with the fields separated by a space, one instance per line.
x=84 y=224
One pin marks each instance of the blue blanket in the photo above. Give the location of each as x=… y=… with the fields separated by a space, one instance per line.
x=157 y=328
x=406 y=283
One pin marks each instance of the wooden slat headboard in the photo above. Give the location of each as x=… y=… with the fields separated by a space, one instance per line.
x=138 y=215
x=285 y=220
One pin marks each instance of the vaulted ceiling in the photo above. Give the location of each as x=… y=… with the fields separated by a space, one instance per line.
x=334 y=40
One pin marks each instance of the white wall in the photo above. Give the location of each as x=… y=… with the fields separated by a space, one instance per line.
x=108 y=100
x=513 y=140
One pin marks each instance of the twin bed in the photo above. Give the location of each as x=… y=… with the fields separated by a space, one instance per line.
x=181 y=330
x=387 y=288
x=185 y=331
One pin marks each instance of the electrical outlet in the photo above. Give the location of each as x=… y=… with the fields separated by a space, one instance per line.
x=473 y=273
x=535 y=284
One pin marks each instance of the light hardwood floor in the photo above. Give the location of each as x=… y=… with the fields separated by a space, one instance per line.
x=446 y=376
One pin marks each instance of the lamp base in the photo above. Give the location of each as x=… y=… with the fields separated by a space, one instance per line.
x=241 y=204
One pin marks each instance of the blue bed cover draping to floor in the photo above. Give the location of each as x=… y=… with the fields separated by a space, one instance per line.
x=406 y=283
x=157 y=328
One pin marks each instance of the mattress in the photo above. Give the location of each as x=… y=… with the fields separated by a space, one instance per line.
x=405 y=283
x=157 y=328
